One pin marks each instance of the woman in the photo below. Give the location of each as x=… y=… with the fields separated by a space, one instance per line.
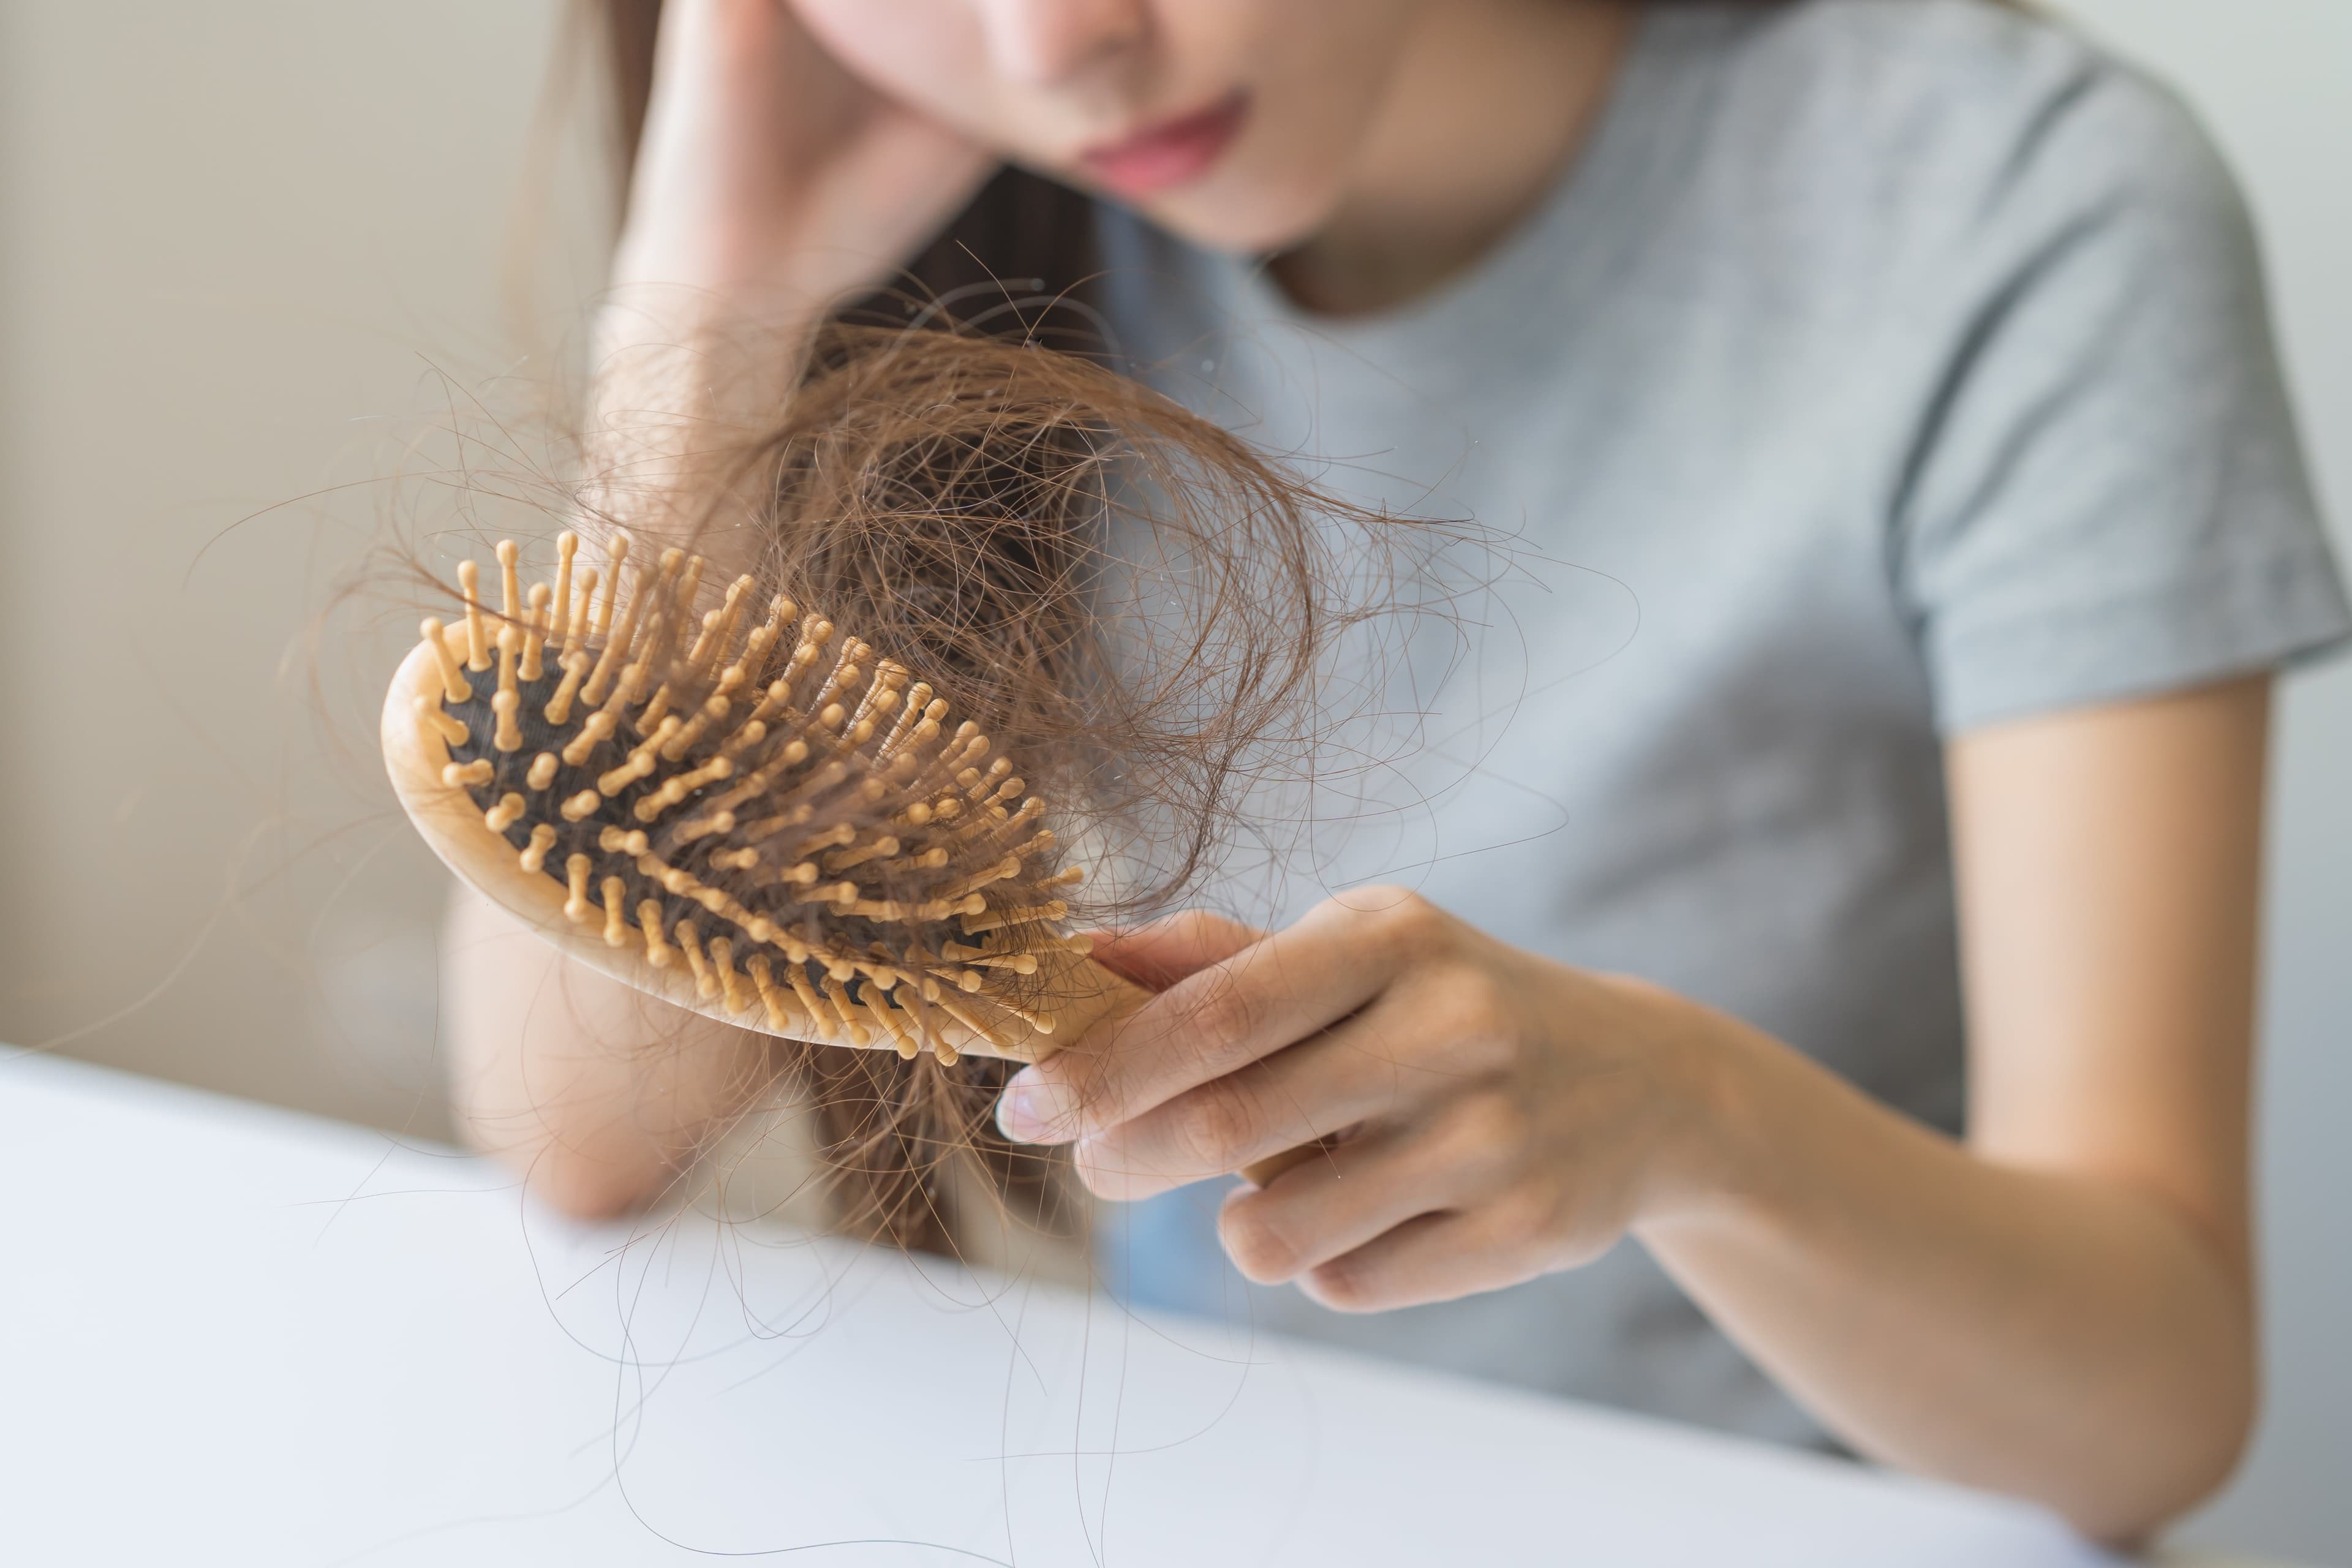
x=1855 y=967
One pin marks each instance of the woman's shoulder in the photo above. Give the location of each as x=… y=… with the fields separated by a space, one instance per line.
x=1942 y=115
x=2034 y=257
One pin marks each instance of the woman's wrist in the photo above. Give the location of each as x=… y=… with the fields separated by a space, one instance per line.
x=703 y=283
x=685 y=381
x=1715 y=1156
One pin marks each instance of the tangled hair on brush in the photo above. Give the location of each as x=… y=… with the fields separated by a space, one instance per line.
x=1130 y=600
x=1138 y=608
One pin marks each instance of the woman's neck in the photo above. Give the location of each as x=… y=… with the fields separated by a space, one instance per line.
x=1493 y=102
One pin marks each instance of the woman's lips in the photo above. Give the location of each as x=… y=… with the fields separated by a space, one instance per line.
x=1167 y=153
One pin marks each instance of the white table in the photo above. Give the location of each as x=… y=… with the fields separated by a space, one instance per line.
x=235 y=1334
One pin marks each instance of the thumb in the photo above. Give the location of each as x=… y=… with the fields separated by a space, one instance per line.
x=1158 y=955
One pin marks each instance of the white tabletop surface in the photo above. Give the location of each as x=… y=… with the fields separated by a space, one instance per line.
x=235 y=1334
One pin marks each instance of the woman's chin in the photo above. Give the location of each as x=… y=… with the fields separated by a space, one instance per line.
x=1256 y=220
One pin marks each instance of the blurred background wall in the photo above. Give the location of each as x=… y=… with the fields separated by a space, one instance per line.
x=253 y=261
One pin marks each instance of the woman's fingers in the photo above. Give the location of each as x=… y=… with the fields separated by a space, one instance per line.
x=1266 y=996
x=1434 y=1257
x=1158 y=955
x=1155 y=956
x=1344 y=1198
x=1370 y=1070
x=1354 y=1073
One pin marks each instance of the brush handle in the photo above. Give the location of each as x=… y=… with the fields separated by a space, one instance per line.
x=1099 y=999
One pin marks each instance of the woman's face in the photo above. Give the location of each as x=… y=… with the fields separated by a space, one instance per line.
x=1234 y=122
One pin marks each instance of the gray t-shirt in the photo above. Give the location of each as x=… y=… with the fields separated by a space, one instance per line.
x=1880 y=371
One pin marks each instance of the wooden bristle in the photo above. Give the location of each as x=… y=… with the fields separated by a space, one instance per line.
x=610 y=662
x=846 y=1011
x=559 y=706
x=453 y=732
x=722 y=963
x=903 y=1038
x=510 y=593
x=535 y=635
x=478 y=642
x=649 y=919
x=567 y=545
x=616 y=931
x=575 y=630
x=454 y=688
x=780 y=1016
x=507 y=701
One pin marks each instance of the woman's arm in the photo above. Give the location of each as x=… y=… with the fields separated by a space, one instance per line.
x=2061 y=1308
x=598 y=1093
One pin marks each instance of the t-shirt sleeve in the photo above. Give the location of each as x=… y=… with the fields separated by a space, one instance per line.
x=2107 y=498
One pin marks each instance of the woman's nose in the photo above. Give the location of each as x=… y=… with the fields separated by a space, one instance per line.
x=1045 y=41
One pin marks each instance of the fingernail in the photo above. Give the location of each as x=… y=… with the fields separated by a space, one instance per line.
x=1033 y=1110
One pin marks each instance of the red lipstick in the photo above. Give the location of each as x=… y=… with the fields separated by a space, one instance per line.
x=1169 y=154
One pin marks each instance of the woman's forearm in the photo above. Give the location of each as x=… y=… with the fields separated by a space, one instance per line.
x=2046 y=1334
x=769 y=186
x=597 y=1092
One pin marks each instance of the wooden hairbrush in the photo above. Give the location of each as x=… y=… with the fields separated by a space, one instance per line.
x=748 y=813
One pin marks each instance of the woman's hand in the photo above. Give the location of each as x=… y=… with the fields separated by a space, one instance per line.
x=771 y=180
x=770 y=186
x=1489 y=1116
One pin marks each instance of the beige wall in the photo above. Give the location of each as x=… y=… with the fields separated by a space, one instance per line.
x=236 y=241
